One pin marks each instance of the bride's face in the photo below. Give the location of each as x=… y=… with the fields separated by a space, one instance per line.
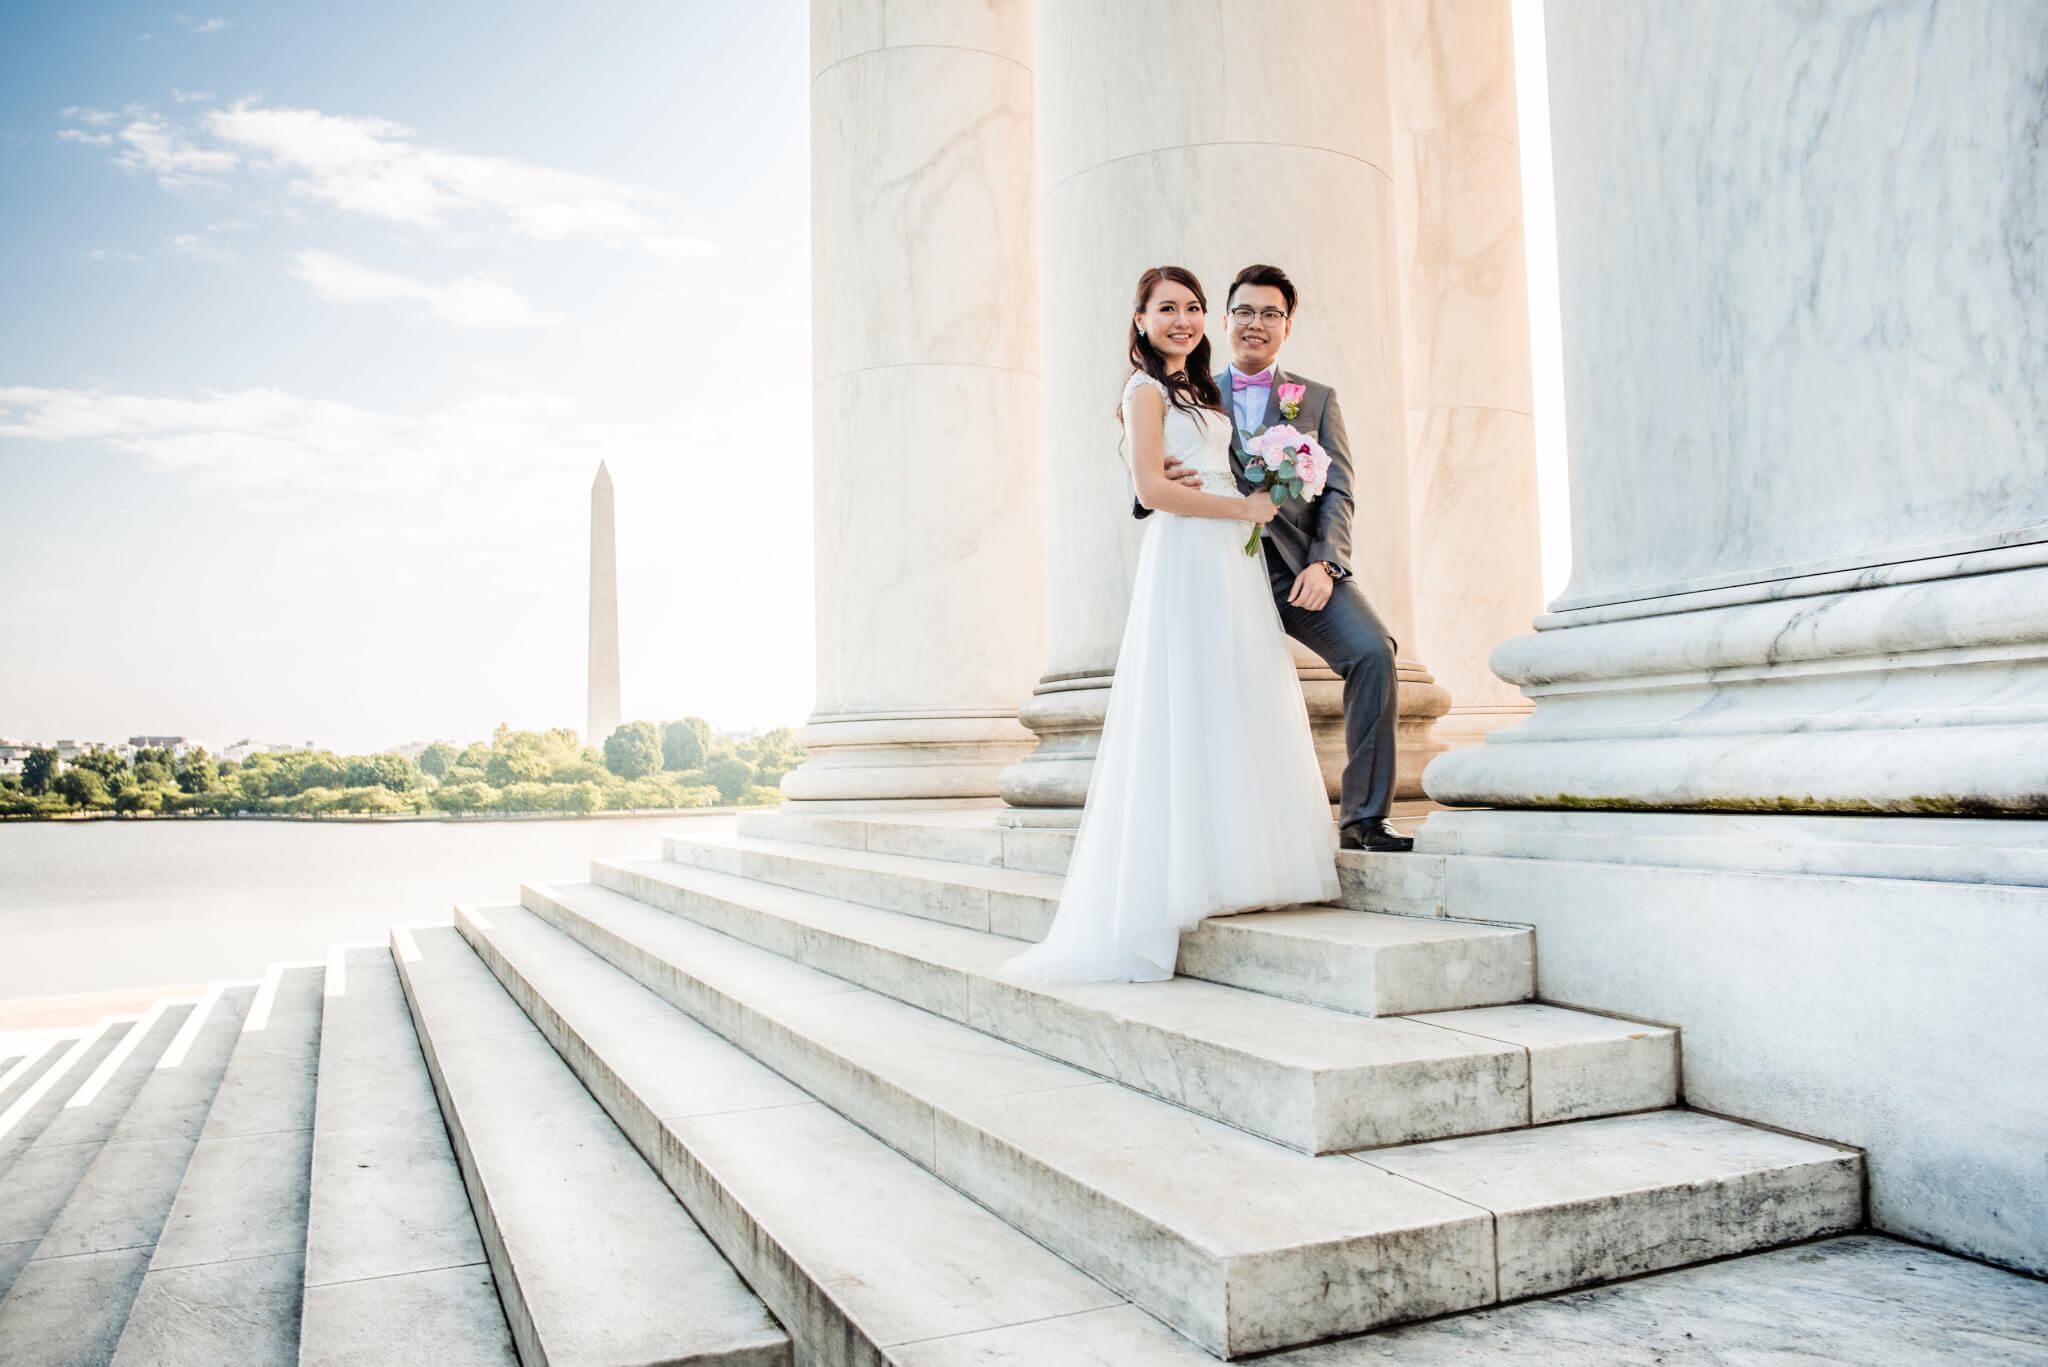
x=1172 y=321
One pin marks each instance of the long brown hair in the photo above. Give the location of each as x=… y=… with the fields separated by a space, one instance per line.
x=1195 y=389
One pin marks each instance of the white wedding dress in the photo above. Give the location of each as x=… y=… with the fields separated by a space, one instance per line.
x=1206 y=798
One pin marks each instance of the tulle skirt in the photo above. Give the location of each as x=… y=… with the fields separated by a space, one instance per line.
x=1206 y=798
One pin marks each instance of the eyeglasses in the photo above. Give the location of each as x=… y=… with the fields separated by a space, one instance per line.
x=1243 y=316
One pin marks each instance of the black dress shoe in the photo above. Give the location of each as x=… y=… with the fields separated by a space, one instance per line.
x=1376 y=836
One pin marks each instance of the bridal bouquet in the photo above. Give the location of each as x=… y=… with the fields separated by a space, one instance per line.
x=1286 y=465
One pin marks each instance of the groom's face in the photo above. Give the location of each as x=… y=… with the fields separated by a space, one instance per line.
x=1258 y=325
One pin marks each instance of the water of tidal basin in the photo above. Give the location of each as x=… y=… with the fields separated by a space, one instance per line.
x=95 y=906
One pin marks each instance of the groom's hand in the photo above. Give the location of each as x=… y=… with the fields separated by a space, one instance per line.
x=1312 y=588
x=1182 y=474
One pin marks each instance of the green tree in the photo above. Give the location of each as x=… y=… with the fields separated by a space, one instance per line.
x=81 y=788
x=731 y=775
x=517 y=757
x=684 y=743
x=197 y=773
x=39 y=771
x=320 y=769
x=133 y=800
x=152 y=774
x=465 y=797
x=634 y=750
x=579 y=770
x=523 y=797
x=758 y=796
x=106 y=763
x=437 y=759
x=393 y=772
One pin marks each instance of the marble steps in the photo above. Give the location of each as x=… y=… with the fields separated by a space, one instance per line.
x=1310 y=1077
x=226 y=1276
x=1120 y=1184
x=394 y=1266
x=49 y=1093
x=105 y=1180
x=864 y=1255
x=1407 y=884
x=597 y=1265
x=1365 y=962
x=73 y=1121
x=1139 y=1193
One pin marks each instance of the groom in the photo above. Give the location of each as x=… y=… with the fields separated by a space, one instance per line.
x=1308 y=549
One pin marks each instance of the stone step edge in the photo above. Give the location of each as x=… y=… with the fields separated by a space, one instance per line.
x=505 y=1268
x=1314 y=1130
x=813 y=1298
x=1237 y=951
x=1240 y=1275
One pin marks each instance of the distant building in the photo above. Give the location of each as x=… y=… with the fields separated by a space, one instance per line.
x=242 y=749
x=177 y=745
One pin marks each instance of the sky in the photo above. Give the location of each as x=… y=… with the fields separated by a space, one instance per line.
x=315 y=321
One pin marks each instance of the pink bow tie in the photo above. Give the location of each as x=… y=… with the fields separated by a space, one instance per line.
x=1262 y=380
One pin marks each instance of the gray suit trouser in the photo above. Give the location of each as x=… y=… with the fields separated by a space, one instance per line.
x=1350 y=637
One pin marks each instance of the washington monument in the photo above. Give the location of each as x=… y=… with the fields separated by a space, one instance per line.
x=604 y=612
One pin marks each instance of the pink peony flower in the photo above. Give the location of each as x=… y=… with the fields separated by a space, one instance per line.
x=1290 y=399
x=1311 y=467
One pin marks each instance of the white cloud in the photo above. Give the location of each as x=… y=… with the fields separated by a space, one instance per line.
x=189 y=96
x=373 y=167
x=211 y=26
x=80 y=135
x=679 y=248
x=198 y=247
x=85 y=114
x=473 y=301
x=155 y=146
x=270 y=443
x=103 y=254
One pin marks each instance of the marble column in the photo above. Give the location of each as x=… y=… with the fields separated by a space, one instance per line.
x=929 y=502
x=1465 y=322
x=603 y=677
x=1804 y=271
x=1209 y=137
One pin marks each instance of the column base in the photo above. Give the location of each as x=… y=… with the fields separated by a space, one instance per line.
x=904 y=758
x=1067 y=714
x=1925 y=696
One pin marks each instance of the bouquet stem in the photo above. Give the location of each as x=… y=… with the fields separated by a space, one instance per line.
x=1251 y=546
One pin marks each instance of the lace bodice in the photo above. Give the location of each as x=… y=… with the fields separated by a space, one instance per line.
x=1198 y=440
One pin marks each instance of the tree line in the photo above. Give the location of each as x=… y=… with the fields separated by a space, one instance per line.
x=641 y=764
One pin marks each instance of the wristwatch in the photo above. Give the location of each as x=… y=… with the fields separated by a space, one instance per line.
x=1335 y=570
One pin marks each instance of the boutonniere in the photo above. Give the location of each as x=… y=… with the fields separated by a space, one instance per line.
x=1290 y=400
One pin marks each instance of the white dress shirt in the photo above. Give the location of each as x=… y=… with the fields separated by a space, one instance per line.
x=1248 y=405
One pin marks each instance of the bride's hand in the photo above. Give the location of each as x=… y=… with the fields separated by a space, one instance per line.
x=1259 y=508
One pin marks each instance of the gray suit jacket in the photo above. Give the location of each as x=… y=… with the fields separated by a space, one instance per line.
x=1320 y=529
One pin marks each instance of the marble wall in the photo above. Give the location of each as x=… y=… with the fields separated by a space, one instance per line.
x=926 y=442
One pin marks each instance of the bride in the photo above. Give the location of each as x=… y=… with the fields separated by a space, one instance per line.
x=1206 y=798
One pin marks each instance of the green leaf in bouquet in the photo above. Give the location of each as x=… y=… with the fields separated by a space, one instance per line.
x=1294 y=488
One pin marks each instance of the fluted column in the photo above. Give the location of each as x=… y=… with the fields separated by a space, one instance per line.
x=929 y=502
x=1465 y=321
x=1209 y=137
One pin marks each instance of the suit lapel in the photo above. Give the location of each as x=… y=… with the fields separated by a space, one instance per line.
x=1273 y=397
